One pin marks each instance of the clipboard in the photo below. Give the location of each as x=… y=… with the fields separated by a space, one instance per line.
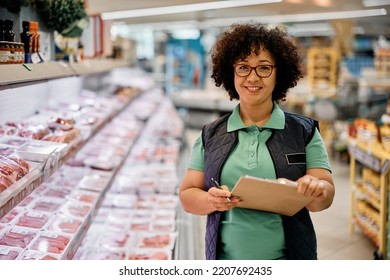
x=269 y=195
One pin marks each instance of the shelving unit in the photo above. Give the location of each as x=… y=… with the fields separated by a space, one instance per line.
x=369 y=183
x=13 y=74
x=322 y=68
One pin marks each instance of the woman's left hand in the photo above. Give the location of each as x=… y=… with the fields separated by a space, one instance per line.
x=312 y=187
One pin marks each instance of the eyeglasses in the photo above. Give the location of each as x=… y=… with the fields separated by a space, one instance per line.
x=263 y=71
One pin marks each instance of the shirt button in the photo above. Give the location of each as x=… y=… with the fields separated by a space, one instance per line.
x=252 y=154
x=253 y=142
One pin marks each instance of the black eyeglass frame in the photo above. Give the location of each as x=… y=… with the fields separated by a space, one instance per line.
x=235 y=65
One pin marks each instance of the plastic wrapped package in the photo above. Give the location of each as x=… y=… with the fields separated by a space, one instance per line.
x=124 y=184
x=75 y=209
x=8 y=130
x=163 y=225
x=164 y=214
x=11 y=215
x=41 y=151
x=32 y=219
x=6 y=150
x=61 y=136
x=57 y=192
x=60 y=123
x=113 y=240
x=47 y=204
x=14 y=140
x=143 y=213
x=68 y=225
x=117 y=224
x=85 y=196
x=105 y=214
x=119 y=200
x=140 y=225
x=12 y=169
x=95 y=181
x=105 y=163
x=32 y=130
x=9 y=253
x=101 y=254
x=15 y=236
x=51 y=242
x=156 y=240
x=167 y=201
x=36 y=255
x=149 y=254
x=97 y=149
x=27 y=200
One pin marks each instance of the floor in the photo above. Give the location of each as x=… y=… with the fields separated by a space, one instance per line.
x=335 y=241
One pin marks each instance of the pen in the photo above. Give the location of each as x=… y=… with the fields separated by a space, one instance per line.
x=215 y=183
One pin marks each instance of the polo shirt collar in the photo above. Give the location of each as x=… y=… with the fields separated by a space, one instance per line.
x=276 y=121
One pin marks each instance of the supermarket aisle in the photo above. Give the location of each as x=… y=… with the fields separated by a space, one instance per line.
x=335 y=242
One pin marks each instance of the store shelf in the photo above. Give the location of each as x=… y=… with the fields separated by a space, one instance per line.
x=14 y=74
x=369 y=202
x=24 y=187
x=21 y=73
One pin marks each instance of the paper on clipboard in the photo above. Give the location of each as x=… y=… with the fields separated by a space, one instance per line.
x=269 y=195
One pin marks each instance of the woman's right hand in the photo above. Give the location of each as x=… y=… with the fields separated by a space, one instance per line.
x=221 y=199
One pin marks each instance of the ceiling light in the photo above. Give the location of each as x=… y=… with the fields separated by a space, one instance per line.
x=277 y=19
x=183 y=8
x=298 y=17
x=372 y=3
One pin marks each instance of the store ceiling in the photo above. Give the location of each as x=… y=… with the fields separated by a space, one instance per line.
x=374 y=24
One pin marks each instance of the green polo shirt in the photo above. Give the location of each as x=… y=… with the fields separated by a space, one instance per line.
x=244 y=233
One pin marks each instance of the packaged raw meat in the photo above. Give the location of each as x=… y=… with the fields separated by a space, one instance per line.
x=61 y=123
x=156 y=240
x=47 y=204
x=163 y=225
x=149 y=254
x=85 y=196
x=95 y=181
x=143 y=213
x=140 y=224
x=103 y=162
x=6 y=150
x=114 y=240
x=57 y=192
x=62 y=136
x=26 y=201
x=65 y=224
x=119 y=200
x=32 y=219
x=15 y=236
x=103 y=254
x=13 y=167
x=6 y=130
x=5 y=182
x=9 y=253
x=36 y=255
x=11 y=215
x=14 y=140
x=164 y=214
x=50 y=242
x=117 y=224
x=40 y=151
x=76 y=209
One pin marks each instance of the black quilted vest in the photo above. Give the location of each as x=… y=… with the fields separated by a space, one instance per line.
x=287 y=149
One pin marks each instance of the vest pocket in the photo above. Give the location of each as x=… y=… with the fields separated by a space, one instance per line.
x=296 y=158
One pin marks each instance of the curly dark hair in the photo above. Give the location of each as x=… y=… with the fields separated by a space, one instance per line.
x=241 y=40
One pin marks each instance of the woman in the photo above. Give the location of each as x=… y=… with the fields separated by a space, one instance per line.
x=257 y=65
